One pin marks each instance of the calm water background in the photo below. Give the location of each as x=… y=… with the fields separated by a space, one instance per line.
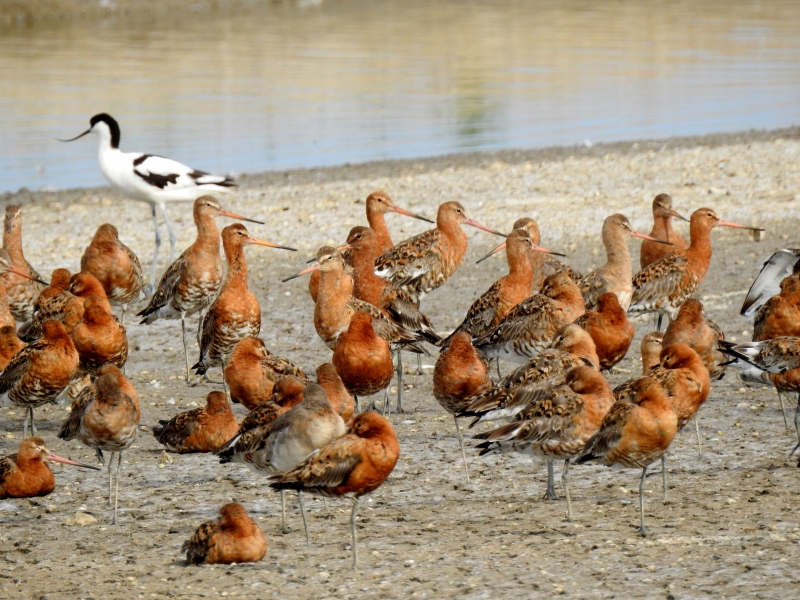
x=323 y=83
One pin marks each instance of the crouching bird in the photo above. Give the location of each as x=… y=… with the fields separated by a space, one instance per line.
x=232 y=538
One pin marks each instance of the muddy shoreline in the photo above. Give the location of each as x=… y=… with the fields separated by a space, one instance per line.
x=730 y=529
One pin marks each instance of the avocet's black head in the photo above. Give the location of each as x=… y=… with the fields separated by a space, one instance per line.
x=103 y=124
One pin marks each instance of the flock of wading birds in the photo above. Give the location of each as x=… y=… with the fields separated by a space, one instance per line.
x=565 y=328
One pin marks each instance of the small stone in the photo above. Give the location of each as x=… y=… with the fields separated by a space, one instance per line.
x=164 y=459
x=81 y=519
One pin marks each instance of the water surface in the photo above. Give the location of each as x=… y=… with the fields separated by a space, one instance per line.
x=324 y=83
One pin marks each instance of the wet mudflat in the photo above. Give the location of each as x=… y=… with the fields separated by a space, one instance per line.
x=731 y=526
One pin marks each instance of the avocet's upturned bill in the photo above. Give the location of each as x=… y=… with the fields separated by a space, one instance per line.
x=150 y=178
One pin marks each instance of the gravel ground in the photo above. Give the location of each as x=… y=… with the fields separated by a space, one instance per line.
x=729 y=529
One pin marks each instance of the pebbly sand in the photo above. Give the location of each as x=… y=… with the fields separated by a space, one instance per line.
x=731 y=528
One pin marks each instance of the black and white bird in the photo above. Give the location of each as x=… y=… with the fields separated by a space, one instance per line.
x=781 y=264
x=150 y=178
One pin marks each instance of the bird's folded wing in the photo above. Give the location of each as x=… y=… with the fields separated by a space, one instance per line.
x=330 y=466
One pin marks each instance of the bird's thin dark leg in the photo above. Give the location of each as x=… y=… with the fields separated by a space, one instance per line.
x=551 y=486
x=303 y=512
x=353 y=532
x=399 y=381
x=783 y=410
x=152 y=285
x=170 y=232
x=461 y=443
x=185 y=345
x=697 y=433
x=566 y=489
x=116 y=484
x=642 y=530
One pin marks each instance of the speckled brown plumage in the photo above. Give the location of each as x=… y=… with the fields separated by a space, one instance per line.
x=560 y=422
x=683 y=376
x=115 y=266
x=635 y=432
x=235 y=313
x=529 y=327
x=556 y=425
x=377 y=205
x=64 y=305
x=10 y=344
x=336 y=305
x=232 y=538
x=204 y=429
x=103 y=416
x=424 y=262
x=253 y=371
x=396 y=303
x=352 y=465
x=40 y=371
x=571 y=347
x=22 y=292
x=190 y=283
x=693 y=328
x=495 y=303
x=663 y=285
x=6 y=318
x=106 y=418
x=49 y=305
x=610 y=329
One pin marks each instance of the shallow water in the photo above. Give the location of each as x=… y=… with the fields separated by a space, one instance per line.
x=322 y=83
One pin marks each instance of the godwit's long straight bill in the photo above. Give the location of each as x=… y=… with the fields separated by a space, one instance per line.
x=482 y=226
x=255 y=242
x=677 y=215
x=21 y=273
x=66 y=461
x=534 y=248
x=722 y=223
x=306 y=271
x=408 y=213
x=225 y=213
x=652 y=239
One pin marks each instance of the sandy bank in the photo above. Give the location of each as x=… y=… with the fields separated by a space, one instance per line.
x=732 y=524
